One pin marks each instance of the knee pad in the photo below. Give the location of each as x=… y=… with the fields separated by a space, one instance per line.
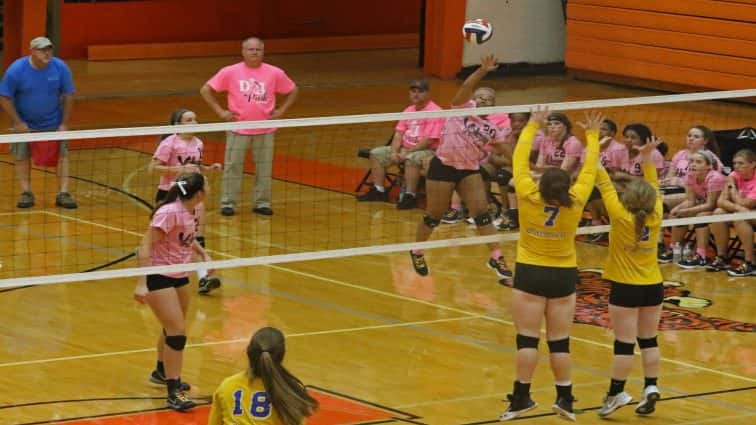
x=524 y=341
x=623 y=348
x=177 y=342
x=201 y=241
x=647 y=342
x=559 y=346
x=430 y=221
x=483 y=219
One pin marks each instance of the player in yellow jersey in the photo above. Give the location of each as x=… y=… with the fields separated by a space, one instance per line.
x=546 y=269
x=266 y=393
x=636 y=296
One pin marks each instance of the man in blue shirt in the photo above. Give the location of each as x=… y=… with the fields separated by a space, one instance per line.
x=37 y=93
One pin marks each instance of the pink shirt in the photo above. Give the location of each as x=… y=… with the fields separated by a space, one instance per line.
x=180 y=228
x=500 y=120
x=173 y=151
x=681 y=163
x=614 y=156
x=467 y=140
x=415 y=130
x=553 y=155
x=635 y=167
x=713 y=182
x=747 y=188
x=252 y=91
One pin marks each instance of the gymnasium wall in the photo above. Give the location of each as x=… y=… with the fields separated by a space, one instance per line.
x=688 y=44
x=529 y=31
x=166 y=21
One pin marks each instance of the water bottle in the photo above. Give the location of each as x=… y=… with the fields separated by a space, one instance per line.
x=676 y=253
x=687 y=251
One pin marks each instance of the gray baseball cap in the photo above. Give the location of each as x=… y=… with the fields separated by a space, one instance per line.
x=40 y=43
x=421 y=85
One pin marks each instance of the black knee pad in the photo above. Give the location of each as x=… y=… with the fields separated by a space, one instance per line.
x=483 y=220
x=559 y=345
x=201 y=241
x=177 y=342
x=623 y=348
x=647 y=342
x=430 y=221
x=503 y=177
x=524 y=341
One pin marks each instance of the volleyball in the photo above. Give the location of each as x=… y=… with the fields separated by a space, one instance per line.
x=477 y=31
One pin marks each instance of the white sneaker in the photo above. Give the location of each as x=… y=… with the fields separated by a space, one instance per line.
x=647 y=404
x=614 y=402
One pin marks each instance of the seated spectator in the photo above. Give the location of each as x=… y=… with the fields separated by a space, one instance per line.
x=414 y=142
x=559 y=148
x=703 y=185
x=636 y=135
x=699 y=138
x=739 y=195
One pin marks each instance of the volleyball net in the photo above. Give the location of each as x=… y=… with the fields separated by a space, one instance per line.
x=316 y=172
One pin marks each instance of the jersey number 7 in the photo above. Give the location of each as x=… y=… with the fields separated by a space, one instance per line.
x=553 y=212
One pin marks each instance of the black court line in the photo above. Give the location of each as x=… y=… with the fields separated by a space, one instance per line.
x=369 y=403
x=126 y=412
x=578 y=411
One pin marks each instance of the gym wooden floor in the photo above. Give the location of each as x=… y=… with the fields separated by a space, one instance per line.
x=377 y=343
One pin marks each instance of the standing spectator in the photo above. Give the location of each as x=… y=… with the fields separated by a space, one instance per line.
x=414 y=143
x=252 y=86
x=37 y=93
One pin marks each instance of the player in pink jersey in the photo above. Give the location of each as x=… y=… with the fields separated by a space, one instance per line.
x=465 y=141
x=171 y=240
x=739 y=195
x=559 y=148
x=182 y=153
x=703 y=185
x=413 y=145
x=252 y=87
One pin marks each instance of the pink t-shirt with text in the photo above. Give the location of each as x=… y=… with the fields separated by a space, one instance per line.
x=466 y=140
x=636 y=168
x=415 y=130
x=252 y=91
x=553 y=155
x=173 y=151
x=614 y=156
x=180 y=228
x=713 y=182
x=747 y=188
x=681 y=164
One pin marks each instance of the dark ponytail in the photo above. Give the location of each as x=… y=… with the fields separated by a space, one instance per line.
x=184 y=187
x=288 y=394
x=639 y=199
x=555 y=187
x=175 y=119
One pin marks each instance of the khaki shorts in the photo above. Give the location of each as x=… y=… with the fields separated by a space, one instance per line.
x=382 y=154
x=21 y=152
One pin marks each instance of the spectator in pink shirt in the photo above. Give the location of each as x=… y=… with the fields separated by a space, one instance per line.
x=413 y=145
x=703 y=185
x=465 y=142
x=739 y=195
x=170 y=240
x=182 y=153
x=699 y=138
x=252 y=86
x=559 y=148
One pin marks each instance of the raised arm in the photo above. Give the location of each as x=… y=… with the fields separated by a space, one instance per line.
x=521 y=158
x=465 y=92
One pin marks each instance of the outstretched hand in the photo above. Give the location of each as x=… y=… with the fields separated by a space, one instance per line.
x=488 y=63
x=592 y=121
x=651 y=144
x=539 y=115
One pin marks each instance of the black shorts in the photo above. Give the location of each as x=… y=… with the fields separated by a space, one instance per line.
x=160 y=195
x=625 y=295
x=158 y=281
x=503 y=177
x=445 y=173
x=544 y=281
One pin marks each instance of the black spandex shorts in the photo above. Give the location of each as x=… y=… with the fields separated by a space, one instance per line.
x=445 y=173
x=625 y=295
x=158 y=281
x=549 y=282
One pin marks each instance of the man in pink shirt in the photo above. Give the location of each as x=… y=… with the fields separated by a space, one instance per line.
x=413 y=144
x=252 y=87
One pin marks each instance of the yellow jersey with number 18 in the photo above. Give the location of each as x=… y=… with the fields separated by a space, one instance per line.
x=240 y=400
x=547 y=232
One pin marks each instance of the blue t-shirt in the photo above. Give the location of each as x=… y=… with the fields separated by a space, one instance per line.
x=36 y=93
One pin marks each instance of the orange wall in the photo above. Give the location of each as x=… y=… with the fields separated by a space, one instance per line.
x=23 y=20
x=709 y=44
x=161 y=21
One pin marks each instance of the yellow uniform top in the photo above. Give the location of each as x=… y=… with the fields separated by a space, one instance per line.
x=631 y=261
x=241 y=401
x=547 y=232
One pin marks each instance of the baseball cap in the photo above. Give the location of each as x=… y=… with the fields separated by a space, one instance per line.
x=40 y=43
x=421 y=85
